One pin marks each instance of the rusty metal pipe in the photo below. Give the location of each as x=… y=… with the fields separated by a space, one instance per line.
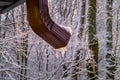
x=42 y=24
x=40 y=21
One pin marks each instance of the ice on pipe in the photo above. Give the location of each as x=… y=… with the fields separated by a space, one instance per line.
x=63 y=50
x=68 y=29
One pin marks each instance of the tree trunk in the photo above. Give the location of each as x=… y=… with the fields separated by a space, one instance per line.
x=106 y=59
x=116 y=36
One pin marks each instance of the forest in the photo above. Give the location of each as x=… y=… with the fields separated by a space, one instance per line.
x=91 y=54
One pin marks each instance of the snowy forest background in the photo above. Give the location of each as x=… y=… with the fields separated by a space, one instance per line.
x=93 y=52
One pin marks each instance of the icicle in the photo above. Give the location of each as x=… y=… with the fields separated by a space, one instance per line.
x=62 y=51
